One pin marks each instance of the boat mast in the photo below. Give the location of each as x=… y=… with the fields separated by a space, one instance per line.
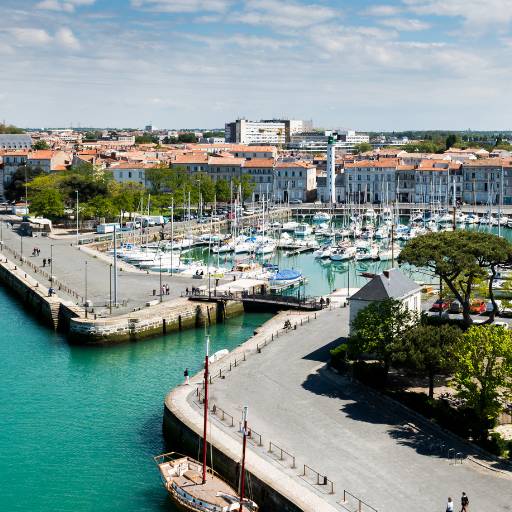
x=244 y=431
x=205 y=406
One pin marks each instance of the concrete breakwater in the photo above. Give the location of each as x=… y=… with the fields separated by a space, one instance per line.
x=53 y=311
x=150 y=322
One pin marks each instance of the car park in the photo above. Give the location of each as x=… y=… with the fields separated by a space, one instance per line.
x=444 y=306
x=455 y=306
x=490 y=306
x=477 y=307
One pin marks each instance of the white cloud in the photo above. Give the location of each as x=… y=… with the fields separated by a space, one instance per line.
x=249 y=42
x=185 y=6
x=382 y=10
x=405 y=24
x=283 y=14
x=69 y=6
x=64 y=36
x=40 y=38
x=478 y=16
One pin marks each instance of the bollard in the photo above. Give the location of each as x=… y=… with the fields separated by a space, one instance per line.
x=229 y=366
x=301 y=322
x=272 y=336
x=315 y=315
x=220 y=373
x=235 y=363
x=244 y=356
x=325 y=483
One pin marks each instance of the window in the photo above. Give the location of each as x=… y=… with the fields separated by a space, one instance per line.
x=293 y=174
x=293 y=183
x=120 y=174
x=300 y=174
x=286 y=173
x=129 y=174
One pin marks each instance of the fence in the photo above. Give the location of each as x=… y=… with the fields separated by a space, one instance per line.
x=38 y=270
x=357 y=499
x=282 y=451
x=319 y=477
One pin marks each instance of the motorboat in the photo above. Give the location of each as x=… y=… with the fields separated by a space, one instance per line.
x=324 y=251
x=303 y=229
x=290 y=226
x=388 y=253
x=343 y=253
x=321 y=217
x=285 y=277
x=367 y=253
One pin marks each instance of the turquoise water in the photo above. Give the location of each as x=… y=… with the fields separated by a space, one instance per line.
x=80 y=426
x=325 y=275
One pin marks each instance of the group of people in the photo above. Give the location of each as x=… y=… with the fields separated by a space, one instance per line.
x=165 y=289
x=464 y=501
x=36 y=251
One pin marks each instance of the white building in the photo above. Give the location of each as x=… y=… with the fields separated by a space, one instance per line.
x=273 y=131
x=317 y=141
x=331 y=171
x=391 y=284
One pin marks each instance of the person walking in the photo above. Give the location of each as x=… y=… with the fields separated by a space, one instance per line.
x=187 y=382
x=464 y=501
x=167 y=289
x=44 y=262
x=449 y=505
x=186 y=290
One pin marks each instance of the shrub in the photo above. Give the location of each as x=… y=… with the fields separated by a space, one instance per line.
x=436 y=321
x=339 y=355
x=495 y=444
x=372 y=375
x=509 y=446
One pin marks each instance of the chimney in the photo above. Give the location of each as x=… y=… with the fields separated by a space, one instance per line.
x=387 y=273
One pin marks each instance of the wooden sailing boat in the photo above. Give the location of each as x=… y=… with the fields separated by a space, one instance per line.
x=192 y=484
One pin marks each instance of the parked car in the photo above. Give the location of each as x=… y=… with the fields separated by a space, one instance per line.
x=295 y=201
x=444 y=306
x=215 y=218
x=202 y=220
x=478 y=306
x=455 y=306
x=501 y=324
x=490 y=307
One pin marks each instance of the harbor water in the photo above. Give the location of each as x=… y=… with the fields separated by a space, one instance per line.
x=80 y=426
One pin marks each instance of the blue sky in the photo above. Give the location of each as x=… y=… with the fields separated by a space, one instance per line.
x=403 y=64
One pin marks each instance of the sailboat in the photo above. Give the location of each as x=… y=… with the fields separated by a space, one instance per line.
x=191 y=484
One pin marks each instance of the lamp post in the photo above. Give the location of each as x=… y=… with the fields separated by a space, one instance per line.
x=86 y=289
x=76 y=217
x=161 y=289
x=110 y=301
x=51 y=264
x=21 y=240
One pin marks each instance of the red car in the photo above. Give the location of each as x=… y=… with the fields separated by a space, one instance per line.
x=444 y=306
x=477 y=306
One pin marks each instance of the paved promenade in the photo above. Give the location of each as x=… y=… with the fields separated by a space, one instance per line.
x=361 y=443
x=69 y=262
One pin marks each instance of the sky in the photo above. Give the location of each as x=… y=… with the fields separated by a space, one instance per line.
x=397 y=65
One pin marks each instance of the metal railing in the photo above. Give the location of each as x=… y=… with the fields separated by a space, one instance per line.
x=361 y=502
x=320 y=479
x=282 y=451
x=250 y=432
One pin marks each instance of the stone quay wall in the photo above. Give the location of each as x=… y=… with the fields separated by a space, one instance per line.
x=53 y=311
x=151 y=322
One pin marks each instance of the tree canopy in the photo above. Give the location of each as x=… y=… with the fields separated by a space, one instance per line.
x=459 y=258
x=427 y=348
x=379 y=327
x=361 y=147
x=48 y=203
x=41 y=145
x=10 y=129
x=484 y=371
x=14 y=189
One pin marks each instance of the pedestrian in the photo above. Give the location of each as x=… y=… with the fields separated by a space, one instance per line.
x=449 y=505
x=216 y=282
x=186 y=290
x=163 y=290
x=44 y=262
x=187 y=382
x=464 y=501
x=49 y=261
x=167 y=289
x=38 y=251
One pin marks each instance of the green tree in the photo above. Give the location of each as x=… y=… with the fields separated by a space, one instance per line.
x=499 y=140
x=48 y=203
x=100 y=207
x=484 y=370
x=450 y=141
x=246 y=184
x=380 y=328
x=361 y=147
x=426 y=348
x=41 y=145
x=187 y=138
x=10 y=129
x=14 y=189
x=222 y=190
x=158 y=176
x=460 y=258
x=421 y=147
x=202 y=183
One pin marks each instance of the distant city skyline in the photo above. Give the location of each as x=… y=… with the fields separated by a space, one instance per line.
x=405 y=64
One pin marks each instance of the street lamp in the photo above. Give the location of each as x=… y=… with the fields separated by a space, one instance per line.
x=76 y=217
x=51 y=264
x=86 y=289
x=161 y=289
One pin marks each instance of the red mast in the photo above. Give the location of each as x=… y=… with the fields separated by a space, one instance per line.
x=244 y=430
x=205 y=405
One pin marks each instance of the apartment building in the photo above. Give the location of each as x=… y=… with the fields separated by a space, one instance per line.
x=438 y=182
x=15 y=141
x=339 y=187
x=48 y=160
x=130 y=171
x=254 y=151
x=483 y=180
x=295 y=180
x=226 y=168
x=261 y=172
x=271 y=131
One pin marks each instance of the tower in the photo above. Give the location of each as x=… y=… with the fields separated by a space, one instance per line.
x=331 y=170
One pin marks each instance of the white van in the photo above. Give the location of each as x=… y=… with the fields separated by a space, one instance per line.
x=490 y=307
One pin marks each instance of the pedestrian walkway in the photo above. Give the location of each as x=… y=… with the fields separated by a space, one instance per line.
x=364 y=445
